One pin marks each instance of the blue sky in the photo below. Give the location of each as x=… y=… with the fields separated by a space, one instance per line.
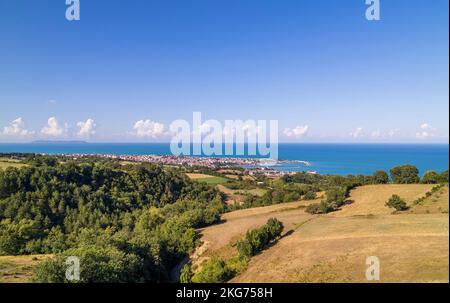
x=317 y=66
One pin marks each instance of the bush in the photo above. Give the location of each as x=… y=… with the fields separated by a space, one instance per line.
x=310 y=195
x=405 y=174
x=397 y=203
x=321 y=208
x=214 y=270
x=256 y=240
x=186 y=274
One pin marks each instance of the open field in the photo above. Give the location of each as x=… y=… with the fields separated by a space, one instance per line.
x=18 y=269
x=412 y=246
x=207 y=178
x=5 y=163
x=237 y=196
x=437 y=203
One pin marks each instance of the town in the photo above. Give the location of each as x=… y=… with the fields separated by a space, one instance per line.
x=251 y=166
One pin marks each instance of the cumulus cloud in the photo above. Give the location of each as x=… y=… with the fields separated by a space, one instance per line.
x=86 y=128
x=148 y=128
x=357 y=133
x=17 y=128
x=53 y=128
x=426 y=131
x=297 y=132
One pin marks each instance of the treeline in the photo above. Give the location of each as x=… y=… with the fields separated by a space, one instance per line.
x=126 y=223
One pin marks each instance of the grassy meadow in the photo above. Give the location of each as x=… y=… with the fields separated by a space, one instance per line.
x=412 y=246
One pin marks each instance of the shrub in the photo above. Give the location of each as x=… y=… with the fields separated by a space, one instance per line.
x=256 y=240
x=186 y=274
x=310 y=195
x=397 y=203
x=321 y=208
x=214 y=270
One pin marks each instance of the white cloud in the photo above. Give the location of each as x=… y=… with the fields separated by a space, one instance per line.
x=53 y=128
x=426 y=131
x=17 y=128
x=376 y=134
x=148 y=128
x=297 y=132
x=357 y=133
x=87 y=128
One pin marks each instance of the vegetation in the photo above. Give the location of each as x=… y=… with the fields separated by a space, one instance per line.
x=136 y=222
x=397 y=203
x=380 y=177
x=217 y=270
x=405 y=174
x=256 y=240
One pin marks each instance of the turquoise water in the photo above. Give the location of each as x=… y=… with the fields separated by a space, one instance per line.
x=339 y=159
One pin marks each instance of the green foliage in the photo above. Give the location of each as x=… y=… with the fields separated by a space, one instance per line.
x=214 y=270
x=405 y=174
x=256 y=240
x=97 y=265
x=136 y=221
x=319 y=208
x=186 y=274
x=310 y=196
x=397 y=203
x=380 y=177
x=430 y=177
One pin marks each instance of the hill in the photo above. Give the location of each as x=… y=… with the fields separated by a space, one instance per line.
x=412 y=247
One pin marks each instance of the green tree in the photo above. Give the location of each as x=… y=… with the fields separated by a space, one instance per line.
x=430 y=177
x=186 y=274
x=214 y=270
x=380 y=177
x=405 y=174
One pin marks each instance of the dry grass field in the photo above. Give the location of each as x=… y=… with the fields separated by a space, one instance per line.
x=412 y=246
x=5 y=163
x=18 y=269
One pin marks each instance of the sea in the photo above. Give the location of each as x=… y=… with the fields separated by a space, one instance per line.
x=339 y=159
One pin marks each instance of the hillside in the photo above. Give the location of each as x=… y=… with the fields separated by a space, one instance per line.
x=412 y=246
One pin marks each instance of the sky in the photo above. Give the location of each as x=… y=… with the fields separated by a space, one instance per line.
x=128 y=68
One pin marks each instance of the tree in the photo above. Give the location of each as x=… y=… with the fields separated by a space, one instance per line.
x=443 y=178
x=97 y=265
x=430 y=177
x=397 y=203
x=186 y=274
x=380 y=177
x=213 y=271
x=405 y=174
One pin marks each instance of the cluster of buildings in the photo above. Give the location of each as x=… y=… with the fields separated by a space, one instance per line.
x=253 y=166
